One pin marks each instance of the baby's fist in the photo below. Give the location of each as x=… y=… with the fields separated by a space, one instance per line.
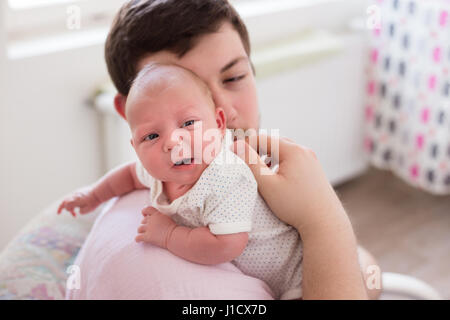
x=156 y=228
x=85 y=201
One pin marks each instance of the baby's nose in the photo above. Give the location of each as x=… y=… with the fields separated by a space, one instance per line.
x=170 y=144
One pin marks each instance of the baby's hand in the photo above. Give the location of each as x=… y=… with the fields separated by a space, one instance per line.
x=156 y=228
x=85 y=201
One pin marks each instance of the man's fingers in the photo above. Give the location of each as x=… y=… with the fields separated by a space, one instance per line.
x=142 y=229
x=274 y=146
x=269 y=182
x=252 y=159
x=139 y=238
x=262 y=144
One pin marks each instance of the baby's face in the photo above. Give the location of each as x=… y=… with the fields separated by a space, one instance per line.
x=163 y=119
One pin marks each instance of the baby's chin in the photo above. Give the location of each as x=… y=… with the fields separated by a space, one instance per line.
x=184 y=175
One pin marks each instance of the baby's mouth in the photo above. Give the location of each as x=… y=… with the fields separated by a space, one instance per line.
x=184 y=162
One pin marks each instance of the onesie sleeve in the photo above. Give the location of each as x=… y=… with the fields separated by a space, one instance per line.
x=230 y=207
x=143 y=175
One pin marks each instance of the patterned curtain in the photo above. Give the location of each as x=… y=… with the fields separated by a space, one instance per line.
x=408 y=105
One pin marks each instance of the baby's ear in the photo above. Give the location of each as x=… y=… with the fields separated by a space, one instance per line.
x=221 y=119
x=132 y=143
x=119 y=104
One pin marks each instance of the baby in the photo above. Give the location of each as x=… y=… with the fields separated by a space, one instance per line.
x=209 y=193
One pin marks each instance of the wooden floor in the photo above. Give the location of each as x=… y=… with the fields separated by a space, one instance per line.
x=406 y=229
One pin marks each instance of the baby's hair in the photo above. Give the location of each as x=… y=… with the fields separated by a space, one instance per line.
x=155 y=66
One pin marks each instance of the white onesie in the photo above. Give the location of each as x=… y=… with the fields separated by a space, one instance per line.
x=225 y=198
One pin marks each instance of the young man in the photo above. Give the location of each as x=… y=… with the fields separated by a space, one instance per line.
x=209 y=38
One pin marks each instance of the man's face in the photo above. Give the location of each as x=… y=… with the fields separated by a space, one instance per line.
x=220 y=60
x=166 y=121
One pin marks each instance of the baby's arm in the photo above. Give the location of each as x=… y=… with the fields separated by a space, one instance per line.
x=198 y=245
x=117 y=182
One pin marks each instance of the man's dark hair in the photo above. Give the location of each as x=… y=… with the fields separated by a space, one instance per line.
x=143 y=27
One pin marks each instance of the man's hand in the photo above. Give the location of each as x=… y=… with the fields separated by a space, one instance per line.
x=155 y=228
x=299 y=193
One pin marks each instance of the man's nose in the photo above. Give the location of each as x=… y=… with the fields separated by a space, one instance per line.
x=222 y=101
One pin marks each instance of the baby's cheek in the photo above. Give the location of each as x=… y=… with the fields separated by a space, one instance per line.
x=210 y=149
x=152 y=165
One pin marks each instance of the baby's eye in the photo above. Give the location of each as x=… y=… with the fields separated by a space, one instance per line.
x=188 y=123
x=151 y=136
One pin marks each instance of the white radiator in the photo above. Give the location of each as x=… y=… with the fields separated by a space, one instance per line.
x=311 y=88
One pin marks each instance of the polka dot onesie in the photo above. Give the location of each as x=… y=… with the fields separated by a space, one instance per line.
x=226 y=199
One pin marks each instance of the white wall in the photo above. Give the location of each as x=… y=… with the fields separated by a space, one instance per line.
x=53 y=141
x=319 y=104
x=2 y=74
x=3 y=131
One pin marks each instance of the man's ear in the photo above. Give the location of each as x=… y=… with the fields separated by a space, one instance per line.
x=221 y=119
x=119 y=104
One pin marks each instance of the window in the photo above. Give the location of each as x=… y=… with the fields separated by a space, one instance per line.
x=31 y=18
x=23 y=4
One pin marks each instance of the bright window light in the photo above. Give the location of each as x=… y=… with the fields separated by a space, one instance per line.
x=25 y=4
